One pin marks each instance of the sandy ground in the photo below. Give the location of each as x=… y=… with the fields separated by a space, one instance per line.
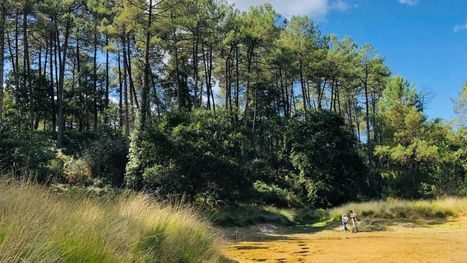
x=400 y=242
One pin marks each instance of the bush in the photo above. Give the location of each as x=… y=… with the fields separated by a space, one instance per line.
x=77 y=171
x=201 y=156
x=273 y=194
x=25 y=154
x=324 y=153
x=106 y=158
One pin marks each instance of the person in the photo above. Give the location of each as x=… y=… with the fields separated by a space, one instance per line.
x=345 y=220
x=353 y=218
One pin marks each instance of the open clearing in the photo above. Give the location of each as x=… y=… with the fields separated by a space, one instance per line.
x=398 y=242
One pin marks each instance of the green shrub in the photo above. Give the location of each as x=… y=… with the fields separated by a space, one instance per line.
x=77 y=171
x=25 y=154
x=201 y=156
x=325 y=155
x=273 y=194
x=107 y=158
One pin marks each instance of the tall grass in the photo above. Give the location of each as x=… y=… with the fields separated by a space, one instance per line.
x=39 y=226
x=404 y=209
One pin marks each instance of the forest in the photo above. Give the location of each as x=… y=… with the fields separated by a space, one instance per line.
x=196 y=100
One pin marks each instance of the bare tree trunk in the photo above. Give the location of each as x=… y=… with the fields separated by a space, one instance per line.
x=206 y=76
x=27 y=67
x=80 y=116
x=130 y=75
x=40 y=61
x=2 y=57
x=46 y=57
x=61 y=123
x=120 y=92
x=107 y=81
x=367 y=115
x=196 y=69
x=94 y=78
x=247 y=95
x=320 y=92
x=237 y=75
x=125 y=92
x=145 y=105
x=16 y=43
x=302 y=82
x=210 y=77
x=51 y=88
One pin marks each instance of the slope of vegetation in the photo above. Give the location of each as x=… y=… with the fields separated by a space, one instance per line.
x=385 y=211
x=401 y=209
x=37 y=225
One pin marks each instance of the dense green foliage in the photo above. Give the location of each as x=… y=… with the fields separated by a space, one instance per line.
x=312 y=160
x=194 y=99
x=418 y=158
x=208 y=154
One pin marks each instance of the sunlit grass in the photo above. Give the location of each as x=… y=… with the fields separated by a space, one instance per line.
x=403 y=209
x=39 y=226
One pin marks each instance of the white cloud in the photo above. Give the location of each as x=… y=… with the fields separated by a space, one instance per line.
x=409 y=2
x=314 y=8
x=340 y=5
x=461 y=27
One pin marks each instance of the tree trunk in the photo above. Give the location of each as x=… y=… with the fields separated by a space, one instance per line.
x=2 y=52
x=80 y=114
x=145 y=107
x=237 y=75
x=302 y=82
x=210 y=76
x=27 y=67
x=16 y=44
x=130 y=75
x=247 y=92
x=107 y=81
x=51 y=88
x=94 y=78
x=196 y=69
x=61 y=123
x=206 y=76
x=367 y=115
x=125 y=92
x=120 y=92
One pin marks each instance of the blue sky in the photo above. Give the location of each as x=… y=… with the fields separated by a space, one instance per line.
x=425 y=41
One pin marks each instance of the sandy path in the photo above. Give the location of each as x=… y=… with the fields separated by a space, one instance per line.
x=430 y=243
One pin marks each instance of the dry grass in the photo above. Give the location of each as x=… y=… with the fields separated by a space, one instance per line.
x=37 y=225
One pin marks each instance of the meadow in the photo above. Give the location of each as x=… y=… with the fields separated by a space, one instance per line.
x=390 y=231
x=37 y=225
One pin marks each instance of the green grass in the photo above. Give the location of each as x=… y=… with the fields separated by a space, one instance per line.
x=39 y=226
x=252 y=215
x=439 y=209
x=394 y=209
